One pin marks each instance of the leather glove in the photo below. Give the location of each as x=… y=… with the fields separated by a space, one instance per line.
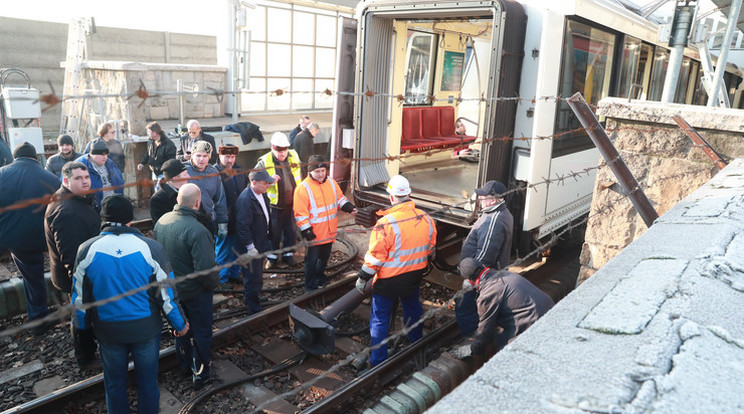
x=252 y=251
x=360 y=285
x=347 y=208
x=222 y=230
x=461 y=352
x=308 y=234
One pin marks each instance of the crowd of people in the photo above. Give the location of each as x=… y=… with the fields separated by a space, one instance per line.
x=206 y=212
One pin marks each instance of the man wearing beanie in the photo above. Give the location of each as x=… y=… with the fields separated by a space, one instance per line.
x=232 y=184
x=22 y=230
x=66 y=154
x=208 y=180
x=117 y=261
x=71 y=219
x=104 y=174
x=508 y=304
x=174 y=176
x=316 y=202
x=283 y=164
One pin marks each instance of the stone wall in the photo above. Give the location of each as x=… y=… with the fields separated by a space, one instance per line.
x=664 y=160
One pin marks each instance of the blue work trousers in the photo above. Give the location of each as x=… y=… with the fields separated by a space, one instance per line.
x=283 y=228
x=194 y=349
x=225 y=252
x=31 y=266
x=316 y=260
x=379 y=321
x=115 y=358
x=252 y=284
x=466 y=312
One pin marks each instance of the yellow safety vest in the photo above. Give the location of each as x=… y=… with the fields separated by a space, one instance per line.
x=294 y=166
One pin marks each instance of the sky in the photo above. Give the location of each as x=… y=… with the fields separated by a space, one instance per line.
x=206 y=17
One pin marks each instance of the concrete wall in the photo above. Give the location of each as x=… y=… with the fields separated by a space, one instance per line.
x=38 y=48
x=656 y=330
x=664 y=160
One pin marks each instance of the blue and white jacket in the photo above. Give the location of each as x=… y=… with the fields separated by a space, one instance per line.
x=489 y=241
x=119 y=260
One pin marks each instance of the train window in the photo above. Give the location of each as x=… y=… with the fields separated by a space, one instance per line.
x=658 y=73
x=684 y=75
x=587 y=65
x=419 y=67
x=629 y=73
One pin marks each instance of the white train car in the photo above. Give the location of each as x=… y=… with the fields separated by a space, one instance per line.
x=425 y=64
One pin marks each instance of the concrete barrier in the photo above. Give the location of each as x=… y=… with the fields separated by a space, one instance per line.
x=657 y=329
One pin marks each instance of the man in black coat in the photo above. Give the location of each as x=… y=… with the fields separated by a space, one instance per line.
x=187 y=141
x=253 y=221
x=304 y=143
x=22 y=230
x=66 y=154
x=71 y=219
x=233 y=186
x=174 y=176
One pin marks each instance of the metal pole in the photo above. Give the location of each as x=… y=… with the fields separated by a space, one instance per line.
x=614 y=160
x=179 y=89
x=733 y=17
x=683 y=16
x=700 y=141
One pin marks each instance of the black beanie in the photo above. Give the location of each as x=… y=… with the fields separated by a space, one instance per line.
x=116 y=209
x=172 y=168
x=98 y=147
x=64 y=139
x=470 y=268
x=24 y=149
x=317 y=161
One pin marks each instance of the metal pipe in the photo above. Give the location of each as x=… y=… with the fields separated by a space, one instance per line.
x=181 y=119
x=683 y=16
x=700 y=141
x=733 y=17
x=614 y=160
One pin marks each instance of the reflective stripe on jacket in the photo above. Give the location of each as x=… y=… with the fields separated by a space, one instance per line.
x=316 y=205
x=400 y=242
x=294 y=166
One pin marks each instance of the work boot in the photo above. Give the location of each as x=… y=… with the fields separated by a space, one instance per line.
x=288 y=260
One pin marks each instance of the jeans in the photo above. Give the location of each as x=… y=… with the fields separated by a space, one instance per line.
x=115 y=358
x=225 y=252
x=252 y=284
x=379 y=321
x=194 y=349
x=283 y=226
x=316 y=260
x=31 y=266
x=466 y=312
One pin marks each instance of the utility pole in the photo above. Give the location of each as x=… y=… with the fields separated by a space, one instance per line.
x=684 y=15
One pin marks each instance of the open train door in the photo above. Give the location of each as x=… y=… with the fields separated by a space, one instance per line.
x=342 y=134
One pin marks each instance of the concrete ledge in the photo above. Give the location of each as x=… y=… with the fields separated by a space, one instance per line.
x=657 y=329
x=141 y=66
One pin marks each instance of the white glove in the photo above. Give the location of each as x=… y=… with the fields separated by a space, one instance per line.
x=466 y=286
x=360 y=285
x=252 y=251
x=222 y=230
x=461 y=352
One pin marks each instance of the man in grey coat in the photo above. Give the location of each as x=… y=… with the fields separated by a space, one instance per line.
x=508 y=304
x=489 y=242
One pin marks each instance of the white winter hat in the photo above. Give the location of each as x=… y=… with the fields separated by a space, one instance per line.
x=398 y=186
x=279 y=139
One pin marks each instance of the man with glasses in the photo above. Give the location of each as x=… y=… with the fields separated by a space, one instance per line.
x=282 y=164
x=187 y=141
x=489 y=242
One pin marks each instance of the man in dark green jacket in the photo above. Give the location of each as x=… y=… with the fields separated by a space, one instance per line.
x=190 y=247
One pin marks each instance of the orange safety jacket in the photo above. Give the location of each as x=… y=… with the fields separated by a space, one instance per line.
x=315 y=205
x=400 y=242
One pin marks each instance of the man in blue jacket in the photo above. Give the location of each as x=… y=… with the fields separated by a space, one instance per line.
x=22 y=230
x=254 y=221
x=104 y=174
x=118 y=261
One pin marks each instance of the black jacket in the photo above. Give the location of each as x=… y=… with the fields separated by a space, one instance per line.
x=22 y=230
x=248 y=131
x=490 y=238
x=165 y=199
x=190 y=248
x=303 y=144
x=69 y=221
x=55 y=163
x=251 y=222
x=157 y=155
x=185 y=146
x=233 y=186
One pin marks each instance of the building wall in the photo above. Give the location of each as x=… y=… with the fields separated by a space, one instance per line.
x=666 y=163
x=38 y=48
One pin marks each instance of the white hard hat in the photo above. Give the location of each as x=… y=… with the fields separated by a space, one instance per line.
x=398 y=186
x=279 y=139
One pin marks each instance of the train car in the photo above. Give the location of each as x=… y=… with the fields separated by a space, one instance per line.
x=503 y=68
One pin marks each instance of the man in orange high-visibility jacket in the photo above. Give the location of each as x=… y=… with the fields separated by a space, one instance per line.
x=317 y=200
x=399 y=250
